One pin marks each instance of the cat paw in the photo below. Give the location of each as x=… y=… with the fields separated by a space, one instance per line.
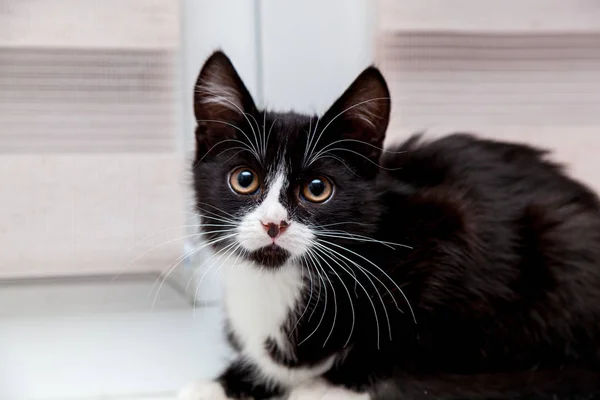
x=203 y=390
x=324 y=391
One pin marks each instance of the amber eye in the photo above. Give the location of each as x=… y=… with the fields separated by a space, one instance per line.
x=244 y=181
x=317 y=190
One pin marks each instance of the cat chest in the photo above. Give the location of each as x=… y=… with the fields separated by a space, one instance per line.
x=258 y=304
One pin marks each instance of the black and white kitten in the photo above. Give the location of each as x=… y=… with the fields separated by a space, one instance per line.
x=458 y=268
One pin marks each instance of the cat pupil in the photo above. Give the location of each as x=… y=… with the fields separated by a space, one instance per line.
x=245 y=178
x=316 y=187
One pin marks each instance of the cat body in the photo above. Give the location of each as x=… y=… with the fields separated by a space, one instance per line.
x=448 y=269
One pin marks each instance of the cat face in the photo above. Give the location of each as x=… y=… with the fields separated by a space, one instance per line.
x=274 y=187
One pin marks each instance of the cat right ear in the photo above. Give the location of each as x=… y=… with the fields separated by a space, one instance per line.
x=220 y=102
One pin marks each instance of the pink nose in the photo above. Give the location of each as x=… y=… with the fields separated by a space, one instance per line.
x=274 y=230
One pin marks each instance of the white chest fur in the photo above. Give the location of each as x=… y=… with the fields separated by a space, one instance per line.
x=258 y=302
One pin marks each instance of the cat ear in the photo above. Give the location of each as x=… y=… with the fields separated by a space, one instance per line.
x=361 y=114
x=220 y=102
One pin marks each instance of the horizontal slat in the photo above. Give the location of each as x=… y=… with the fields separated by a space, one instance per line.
x=87 y=100
x=489 y=16
x=90 y=23
x=542 y=89
x=538 y=79
x=486 y=39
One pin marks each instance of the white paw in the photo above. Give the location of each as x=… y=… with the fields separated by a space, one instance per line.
x=202 y=390
x=322 y=391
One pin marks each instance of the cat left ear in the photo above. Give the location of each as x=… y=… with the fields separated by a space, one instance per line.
x=220 y=103
x=362 y=113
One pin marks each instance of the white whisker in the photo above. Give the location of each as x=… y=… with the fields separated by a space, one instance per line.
x=349 y=298
x=383 y=272
x=198 y=90
x=179 y=260
x=219 y=210
x=344 y=111
x=335 y=304
x=368 y=296
x=129 y=264
x=251 y=147
x=324 y=149
x=228 y=250
x=308 y=302
x=318 y=270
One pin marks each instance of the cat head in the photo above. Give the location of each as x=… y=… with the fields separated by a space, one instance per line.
x=275 y=187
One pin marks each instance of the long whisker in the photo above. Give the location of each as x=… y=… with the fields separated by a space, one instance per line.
x=335 y=304
x=344 y=111
x=365 y=272
x=324 y=149
x=203 y=214
x=357 y=238
x=219 y=210
x=338 y=159
x=310 y=138
x=264 y=150
x=318 y=270
x=257 y=134
x=239 y=150
x=270 y=129
x=228 y=250
x=382 y=271
x=216 y=95
x=251 y=147
x=349 y=298
x=318 y=300
x=344 y=222
x=129 y=264
x=387 y=318
x=178 y=261
x=173 y=228
x=363 y=156
x=308 y=302
x=244 y=148
x=199 y=267
x=325 y=251
x=218 y=219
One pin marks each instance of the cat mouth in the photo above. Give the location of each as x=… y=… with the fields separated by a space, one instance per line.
x=271 y=256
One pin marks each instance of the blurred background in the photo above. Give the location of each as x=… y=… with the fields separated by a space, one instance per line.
x=98 y=296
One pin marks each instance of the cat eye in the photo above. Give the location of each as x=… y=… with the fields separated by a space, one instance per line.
x=244 y=181
x=317 y=190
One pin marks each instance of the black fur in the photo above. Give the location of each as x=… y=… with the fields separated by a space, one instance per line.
x=501 y=280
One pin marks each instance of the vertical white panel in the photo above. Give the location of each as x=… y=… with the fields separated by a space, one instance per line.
x=312 y=50
x=208 y=25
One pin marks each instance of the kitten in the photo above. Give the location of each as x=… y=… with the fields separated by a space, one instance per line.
x=458 y=268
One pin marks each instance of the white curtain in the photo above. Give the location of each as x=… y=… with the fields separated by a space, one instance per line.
x=90 y=141
x=526 y=71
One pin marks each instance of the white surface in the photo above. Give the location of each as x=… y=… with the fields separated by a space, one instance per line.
x=103 y=339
